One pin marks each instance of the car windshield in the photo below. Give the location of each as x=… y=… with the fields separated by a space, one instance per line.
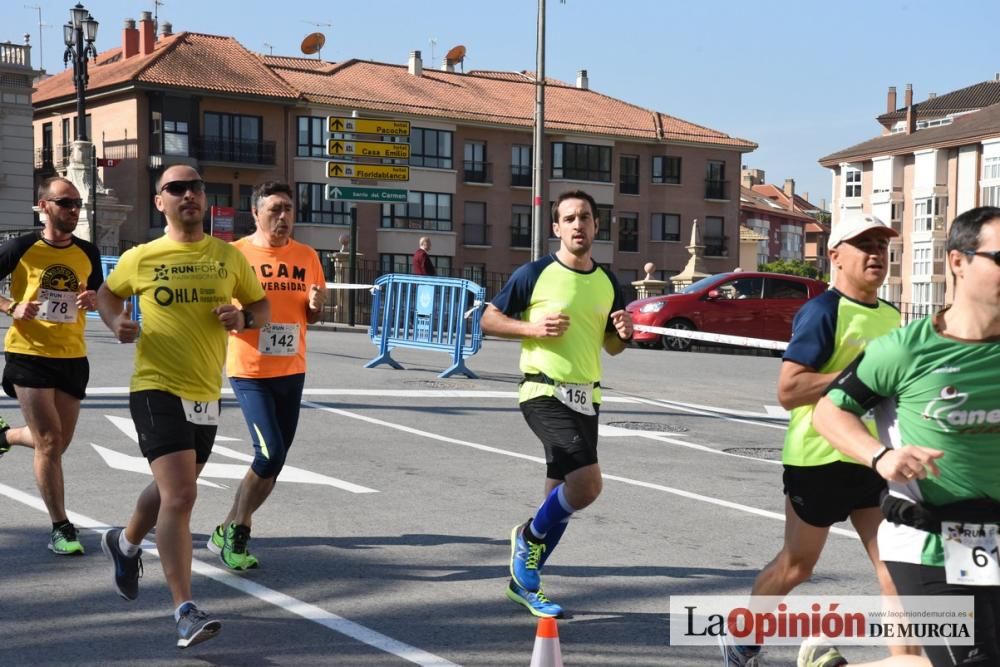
x=701 y=284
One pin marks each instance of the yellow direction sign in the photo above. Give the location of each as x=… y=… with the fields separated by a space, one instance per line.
x=375 y=172
x=367 y=149
x=395 y=128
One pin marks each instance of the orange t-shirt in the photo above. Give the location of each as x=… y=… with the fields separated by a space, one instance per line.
x=286 y=273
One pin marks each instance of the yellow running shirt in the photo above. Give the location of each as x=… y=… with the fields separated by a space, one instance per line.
x=286 y=273
x=182 y=344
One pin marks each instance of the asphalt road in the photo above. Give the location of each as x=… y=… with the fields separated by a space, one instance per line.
x=386 y=542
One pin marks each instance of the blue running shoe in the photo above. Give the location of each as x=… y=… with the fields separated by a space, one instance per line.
x=535 y=602
x=524 y=557
x=127 y=570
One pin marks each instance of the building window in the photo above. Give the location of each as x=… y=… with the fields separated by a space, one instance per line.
x=665 y=227
x=422 y=210
x=762 y=227
x=715 y=180
x=476 y=167
x=216 y=194
x=475 y=231
x=175 y=137
x=520 y=166
x=311 y=137
x=991 y=167
x=430 y=148
x=928 y=214
x=47 y=145
x=628 y=232
x=67 y=139
x=87 y=121
x=927 y=295
x=520 y=227
x=234 y=138
x=990 y=196
x=628 y=176
x=604 y=214
x=314 y=207
x=791 y=242
x=852 y=182
x=666 y=169
x=714 y=237
x=475 y=272
x=897 y=211
x=581 y=162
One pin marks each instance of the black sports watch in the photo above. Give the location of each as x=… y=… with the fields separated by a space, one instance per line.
x=247 y=319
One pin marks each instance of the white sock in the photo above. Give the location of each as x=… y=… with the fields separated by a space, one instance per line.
x=177 y=612
x=127 y=547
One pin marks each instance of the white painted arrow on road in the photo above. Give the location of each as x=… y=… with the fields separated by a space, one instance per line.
x=139 y=464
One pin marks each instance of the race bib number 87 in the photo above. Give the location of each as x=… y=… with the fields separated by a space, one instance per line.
x=201 y=413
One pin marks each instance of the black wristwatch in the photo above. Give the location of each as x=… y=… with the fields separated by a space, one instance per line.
x=247 y=319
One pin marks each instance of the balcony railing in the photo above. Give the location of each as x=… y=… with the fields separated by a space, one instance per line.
x=216 y=149
x=520 y=239
x=474 y=233
x=478 y=172
x=520 y=176
x=716 y=189
x=52 y=158
x=16 y=55
x=716 y=247
x=429 y=224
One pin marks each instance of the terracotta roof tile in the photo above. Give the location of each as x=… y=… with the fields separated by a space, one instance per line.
x=963 y=130
x=495 y=97
x=976 y=96
x=757 y=200
x=748 y=234
x=184 y=60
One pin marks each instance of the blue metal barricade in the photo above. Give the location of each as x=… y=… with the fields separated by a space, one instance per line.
x=427 y=313
x=108 y=262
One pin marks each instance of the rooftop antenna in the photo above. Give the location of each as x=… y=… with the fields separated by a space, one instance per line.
x=156 y=14
x=456 y=55
x=313 y=43
x=41 y=54
x=270 y=48
x=433 y=42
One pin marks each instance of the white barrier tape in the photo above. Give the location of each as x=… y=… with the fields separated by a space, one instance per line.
x=350 y=286
x=475 y=306
x=741 y=341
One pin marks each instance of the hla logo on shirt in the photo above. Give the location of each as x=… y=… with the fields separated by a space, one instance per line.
x=950 y=419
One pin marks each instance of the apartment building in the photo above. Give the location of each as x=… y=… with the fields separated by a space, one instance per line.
x=934 y=160
x=17 y=192
x=243 y=117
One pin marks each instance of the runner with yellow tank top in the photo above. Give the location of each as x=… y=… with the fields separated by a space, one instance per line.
x=267 y=366
x=821 y=486
x=53 y=281
x=186 y=282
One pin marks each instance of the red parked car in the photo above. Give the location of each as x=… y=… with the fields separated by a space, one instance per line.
x=742 y=303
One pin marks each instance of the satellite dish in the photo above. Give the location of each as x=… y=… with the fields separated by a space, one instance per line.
x=313 y=43
x=456 y=55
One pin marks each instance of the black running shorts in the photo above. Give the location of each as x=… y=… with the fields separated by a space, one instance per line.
x=30 y=370
x=163 y=427
x=569 y=438
x=823 y=495
x=912 y=579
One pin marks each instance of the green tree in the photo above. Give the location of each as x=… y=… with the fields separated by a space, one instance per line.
x=794 y=267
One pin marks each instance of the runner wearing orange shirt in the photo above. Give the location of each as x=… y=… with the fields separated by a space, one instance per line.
x=267 y=366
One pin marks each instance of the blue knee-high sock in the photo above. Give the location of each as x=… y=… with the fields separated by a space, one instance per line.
x=552 y=512
x=552 y=539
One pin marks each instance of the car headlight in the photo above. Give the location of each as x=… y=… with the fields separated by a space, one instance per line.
x=653 y=307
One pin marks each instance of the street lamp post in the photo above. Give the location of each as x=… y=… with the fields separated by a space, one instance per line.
x=79 y=36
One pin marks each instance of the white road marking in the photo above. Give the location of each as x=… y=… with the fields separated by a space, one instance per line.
x=217 y=470
x=285 y=602
x=624 y=480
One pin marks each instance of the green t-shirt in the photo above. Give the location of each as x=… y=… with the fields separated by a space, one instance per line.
x=943 y=394
x=828 y=333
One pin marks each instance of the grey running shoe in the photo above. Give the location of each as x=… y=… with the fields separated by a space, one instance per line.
x=195 y=626
x=127 y=570
x=734 y=655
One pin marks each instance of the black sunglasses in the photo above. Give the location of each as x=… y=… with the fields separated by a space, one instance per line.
x=993 y=254
x=180 y=188
x=67 y=202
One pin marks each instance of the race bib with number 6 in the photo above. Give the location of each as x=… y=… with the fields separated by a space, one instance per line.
x=201 y=413
x=280 y=340
x=971 y=553
x=577 y=397
x=57 y=306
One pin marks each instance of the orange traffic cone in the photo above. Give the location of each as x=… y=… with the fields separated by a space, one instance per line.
x=546 y=653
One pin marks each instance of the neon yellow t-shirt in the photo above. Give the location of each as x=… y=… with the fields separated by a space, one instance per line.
x=182 y=345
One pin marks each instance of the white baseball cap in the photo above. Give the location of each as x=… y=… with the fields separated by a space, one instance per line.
x=855 y=224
